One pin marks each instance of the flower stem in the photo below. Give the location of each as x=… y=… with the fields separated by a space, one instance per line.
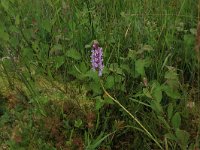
x=133 y=117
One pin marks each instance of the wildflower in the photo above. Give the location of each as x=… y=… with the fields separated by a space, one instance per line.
x=97 y=58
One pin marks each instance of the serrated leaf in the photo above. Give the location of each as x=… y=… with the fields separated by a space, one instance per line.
x=176 y=120
x=72 y=53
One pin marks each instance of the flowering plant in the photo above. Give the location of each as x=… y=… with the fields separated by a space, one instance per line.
x=97 y=58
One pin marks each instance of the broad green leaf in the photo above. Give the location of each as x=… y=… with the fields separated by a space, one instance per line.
x=156 y=107
x=27 y=53
x=46 y=24
x=109 y=82
x=171 y=92
x=59 y=61
x=189 y=40
x=139 y=66
x=3 y=35
x=99 y=103
x=183 y=137
x=125 y=67
x=114 y=67
x=147 y=48
x=108 y=100
x=171 y=74
x=83 y=67
x=157 y=92
x=176 y=120
x=72 y=53
x=95 y=87
x=147 y=93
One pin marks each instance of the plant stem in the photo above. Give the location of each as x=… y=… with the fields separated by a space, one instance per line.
x=133 y=117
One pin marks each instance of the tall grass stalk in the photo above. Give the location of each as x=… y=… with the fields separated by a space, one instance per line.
x=132 y=116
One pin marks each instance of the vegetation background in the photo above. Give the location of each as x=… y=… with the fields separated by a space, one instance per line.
x=147 y=98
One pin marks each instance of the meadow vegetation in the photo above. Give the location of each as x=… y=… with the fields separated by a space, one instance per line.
x=147 y=98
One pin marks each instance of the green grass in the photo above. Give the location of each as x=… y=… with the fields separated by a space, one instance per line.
x=147 y=98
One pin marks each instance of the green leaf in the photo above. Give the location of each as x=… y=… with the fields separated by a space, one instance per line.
x=17 y=20
x=27 y=53
x=46 y=24
x=5 y=4
x=171 y=74
x=147 y=93
x=108 y=100
x=96 y=143
x=95 y=87
x=189 y=40
x=162 y=119
x=183 y=137
x=139 y=66
x=157 y=92
x=3 y=35
x=171 y=92
x=114 y=67
x=83 y=67
x=109 y=82
x=176 y=120
x=78 y=123
x=170 y=136
x=156 y=106
x=72 y=53
x=132 y=54
x=59 y=61
x=147 y=48
x=169 y=111
x=99 y=103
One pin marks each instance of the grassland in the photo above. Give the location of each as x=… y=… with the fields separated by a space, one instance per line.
x=148 y=97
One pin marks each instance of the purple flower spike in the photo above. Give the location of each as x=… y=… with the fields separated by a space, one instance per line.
x=97 y=58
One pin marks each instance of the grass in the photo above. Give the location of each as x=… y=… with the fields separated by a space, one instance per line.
x=148 y=96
